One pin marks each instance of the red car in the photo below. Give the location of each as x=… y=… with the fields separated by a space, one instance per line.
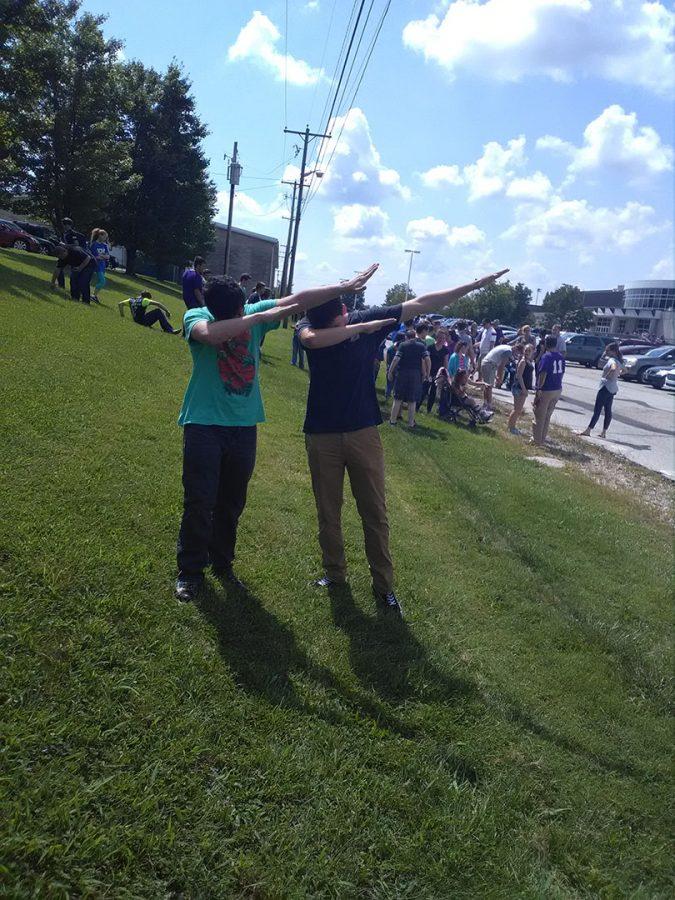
x=12 y=236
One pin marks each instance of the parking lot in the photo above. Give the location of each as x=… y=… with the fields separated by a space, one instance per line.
x=643 y=427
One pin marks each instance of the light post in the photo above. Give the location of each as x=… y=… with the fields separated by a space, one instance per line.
x=407 y=287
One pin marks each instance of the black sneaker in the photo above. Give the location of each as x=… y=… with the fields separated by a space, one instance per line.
x=187 y=589
x=389 y=602
x=326 y=582
x=226 y=576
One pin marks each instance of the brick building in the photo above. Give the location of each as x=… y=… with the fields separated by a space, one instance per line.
x=254 y=253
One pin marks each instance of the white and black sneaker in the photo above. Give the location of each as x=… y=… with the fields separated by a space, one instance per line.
x=187 y=589
x=326 y=582
x=389 y=603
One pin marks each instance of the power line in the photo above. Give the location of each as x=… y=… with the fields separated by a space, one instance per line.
x=323 y=57
x=361 y=76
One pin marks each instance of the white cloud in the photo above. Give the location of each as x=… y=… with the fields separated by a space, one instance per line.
x=312 y=5
x=439 y=176
x=534 y=187
x=664 y=268
x=495 y=169
x=579 y=228
x=354 y=172
x=615 y=140
x=256 y=42
x=358 y=221
x=248 y=211
x=629 y=41
x=429 y=228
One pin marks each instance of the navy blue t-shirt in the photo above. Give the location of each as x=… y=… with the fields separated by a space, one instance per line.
x=342 y=393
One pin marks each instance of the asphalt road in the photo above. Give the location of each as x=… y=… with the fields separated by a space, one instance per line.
x=643 y=424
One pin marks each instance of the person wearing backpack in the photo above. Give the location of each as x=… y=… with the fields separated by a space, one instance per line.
x=143 y=315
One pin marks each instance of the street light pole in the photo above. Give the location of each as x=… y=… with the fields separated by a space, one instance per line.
x=407 y=287
x=233 y=175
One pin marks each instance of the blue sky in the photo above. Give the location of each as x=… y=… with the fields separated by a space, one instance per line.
x=535 y=134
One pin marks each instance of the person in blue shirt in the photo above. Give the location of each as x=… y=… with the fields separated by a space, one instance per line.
x=100 y=250
x=220 y=413
x=549 y=388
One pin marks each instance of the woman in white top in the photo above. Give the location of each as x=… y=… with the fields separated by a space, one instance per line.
x=609 y=385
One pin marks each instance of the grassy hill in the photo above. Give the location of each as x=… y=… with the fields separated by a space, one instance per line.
x=510 y=738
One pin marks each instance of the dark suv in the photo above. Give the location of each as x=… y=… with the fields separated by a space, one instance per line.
x=586 y=349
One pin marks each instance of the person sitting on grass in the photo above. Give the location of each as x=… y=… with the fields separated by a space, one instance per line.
x=461 y=398
x=409 y=370
x=142 y=315
x=220 y=413
x=341 y=423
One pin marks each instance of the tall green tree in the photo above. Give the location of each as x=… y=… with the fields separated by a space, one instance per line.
x=560 y=303
x=167 y=206
x=59 y=88
x=398 y=293
x=504 y=301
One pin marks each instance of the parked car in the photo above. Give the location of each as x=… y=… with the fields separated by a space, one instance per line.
x=670 y=380
x=587 y=349
x=635 y=349
x=42 y=234
x=13 y=236
x=634 y=342
x=656 y=375
x=635 y=365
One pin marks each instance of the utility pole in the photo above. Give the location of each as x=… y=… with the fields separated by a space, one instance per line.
x=284 y=274
x=407 y=287
x=233 y=176
x=305 y=135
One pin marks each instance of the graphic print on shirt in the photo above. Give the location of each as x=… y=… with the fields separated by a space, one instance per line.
x=236 y=365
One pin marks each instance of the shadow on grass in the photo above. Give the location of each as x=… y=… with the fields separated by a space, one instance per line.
x=266 y=660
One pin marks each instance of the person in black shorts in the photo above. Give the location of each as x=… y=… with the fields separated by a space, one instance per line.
x=409 y=370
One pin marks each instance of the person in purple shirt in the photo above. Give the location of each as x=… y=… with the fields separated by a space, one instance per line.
x=193 y=284
x=549 y=388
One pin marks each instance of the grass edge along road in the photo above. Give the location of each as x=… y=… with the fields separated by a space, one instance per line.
x=510 y=738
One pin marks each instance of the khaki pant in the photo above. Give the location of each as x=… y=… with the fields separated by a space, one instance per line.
x=542 y=414
x=360 y=453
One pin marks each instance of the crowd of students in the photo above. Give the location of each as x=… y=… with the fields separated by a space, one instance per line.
x=85 y=258
x=427 y=361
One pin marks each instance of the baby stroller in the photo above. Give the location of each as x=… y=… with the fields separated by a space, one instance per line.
x=453 y=408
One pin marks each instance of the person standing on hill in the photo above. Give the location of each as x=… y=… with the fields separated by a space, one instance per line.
x=409 y=370
x=549 y=388
x=343 y=415
x=82 y=268
x=100 y=250
x=193 y=284
x=220 y=413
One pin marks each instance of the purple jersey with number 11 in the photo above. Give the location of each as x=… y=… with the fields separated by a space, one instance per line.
x=553 y=364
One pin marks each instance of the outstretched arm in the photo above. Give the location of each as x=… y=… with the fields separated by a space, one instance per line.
x=121 y=306
x=316 y=296
x=319 y=338
x=437 y=300
x=218 y=332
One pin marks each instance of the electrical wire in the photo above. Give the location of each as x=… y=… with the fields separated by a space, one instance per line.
x=361 y=74
x=323 y=58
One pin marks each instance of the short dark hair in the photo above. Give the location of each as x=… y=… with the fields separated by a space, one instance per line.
x=260 y=285
x=146 y=295
x=487 y=321
x=321 y=316
x=244 y=277
x=551 y=342
x=198 y=261
x=423 y=326
x=223 y=298
x=399 y=337
x=67 y=221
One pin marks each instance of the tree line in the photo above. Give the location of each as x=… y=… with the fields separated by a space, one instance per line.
x=88 y=135
x=510 y=304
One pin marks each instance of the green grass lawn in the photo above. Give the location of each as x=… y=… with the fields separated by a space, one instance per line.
x=510 y=738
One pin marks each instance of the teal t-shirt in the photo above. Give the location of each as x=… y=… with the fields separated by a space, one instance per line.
x=224 y=387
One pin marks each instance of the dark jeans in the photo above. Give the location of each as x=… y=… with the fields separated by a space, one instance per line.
x=155 y=315
x=603 y=401
x=298 y=353
x=80 y=283
x=218 y=463
x=428 y=394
